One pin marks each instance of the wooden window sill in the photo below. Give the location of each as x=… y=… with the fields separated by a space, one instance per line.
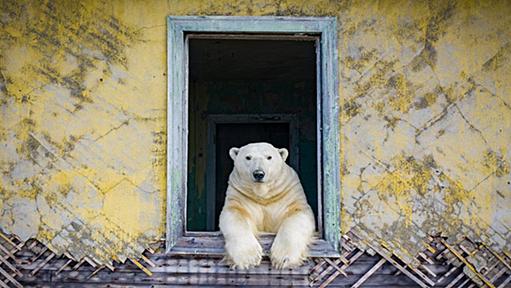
x=213 y=244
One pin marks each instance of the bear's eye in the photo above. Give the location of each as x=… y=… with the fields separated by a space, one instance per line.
x=269 y=157
x=248 y=157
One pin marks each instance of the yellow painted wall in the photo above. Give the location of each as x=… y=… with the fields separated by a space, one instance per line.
x=426 y=119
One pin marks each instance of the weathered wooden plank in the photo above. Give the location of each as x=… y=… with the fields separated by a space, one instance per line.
x=376 y=280
x=455 y=280
x=43 y=250
x=426 y=258
x=330 y=136
x=42 y=279
x=498 y=274
x=398 y=266
x=3 y=284
x=431 y=273
x=423 y=276
x=467 y=264
x=447 y=274
x=147 y=260
x=146 y=271
x=95 y=272
x=64 y=266
x=130 y=275
x=42 y=264
x=77 y=265
x=10 y=278
x=268 y=24
x=505 y=282
x=8 y=240
x=500 y=258
x=215 y=246
x=369 y=273
x=164 y=262
x=336 y=273
x=464 y=283
x=215 y=266
x=205 y=270
x=176 y=129
x=10 y=266
x=217 y=279
x=334 y=265
x=8 y=253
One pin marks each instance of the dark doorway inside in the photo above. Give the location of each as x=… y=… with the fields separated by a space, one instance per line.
x=236 y=135
x=243 y=91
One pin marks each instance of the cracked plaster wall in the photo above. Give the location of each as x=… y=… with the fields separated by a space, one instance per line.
x=426 y=119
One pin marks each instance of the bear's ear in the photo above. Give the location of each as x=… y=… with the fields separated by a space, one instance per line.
x=233 y=152
x=283 y=153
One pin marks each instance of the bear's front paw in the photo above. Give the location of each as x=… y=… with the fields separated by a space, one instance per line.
x=244 y=253
x=286 y=255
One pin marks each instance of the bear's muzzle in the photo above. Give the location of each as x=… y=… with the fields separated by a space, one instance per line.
x=258 y=175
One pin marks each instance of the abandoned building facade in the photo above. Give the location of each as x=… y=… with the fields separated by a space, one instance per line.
x=117 y=118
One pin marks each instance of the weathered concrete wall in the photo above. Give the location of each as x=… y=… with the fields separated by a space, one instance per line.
x=426 y=119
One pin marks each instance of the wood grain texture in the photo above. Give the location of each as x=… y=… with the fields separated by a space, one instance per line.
x=372 y=267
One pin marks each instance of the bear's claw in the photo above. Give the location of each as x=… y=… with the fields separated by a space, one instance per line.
x=245 y=256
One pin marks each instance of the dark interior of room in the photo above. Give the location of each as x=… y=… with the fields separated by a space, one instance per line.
x=232 y=77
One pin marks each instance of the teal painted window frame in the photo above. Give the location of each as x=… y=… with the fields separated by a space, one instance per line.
x=178 y=241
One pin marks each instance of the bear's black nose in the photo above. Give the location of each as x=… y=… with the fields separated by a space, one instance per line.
x=258 y=175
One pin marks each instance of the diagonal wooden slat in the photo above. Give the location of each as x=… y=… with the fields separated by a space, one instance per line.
x=146 y=271
x=398 y=266
x=6 y=252
x=369 y=273
x=505 y=282
x=12 y=244
x=41 y=265
x=11 y=267
x=334 y=265
x=95 y=272
x=467 y=264
x=456 y=280
x=63 y=266
x=447 y=274
x=336 y=271
x=464 y=283
x=3 y=284
x=35 y=257
x=351 y=261
x=10 y=278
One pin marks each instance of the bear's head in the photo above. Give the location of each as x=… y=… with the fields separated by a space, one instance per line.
x=258 y=162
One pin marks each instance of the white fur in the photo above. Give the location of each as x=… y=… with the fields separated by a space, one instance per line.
x=276 y=205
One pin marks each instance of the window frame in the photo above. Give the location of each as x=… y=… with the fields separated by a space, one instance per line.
x=178 y=240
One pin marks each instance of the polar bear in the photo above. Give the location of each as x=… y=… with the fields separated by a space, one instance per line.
x=265 y=195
